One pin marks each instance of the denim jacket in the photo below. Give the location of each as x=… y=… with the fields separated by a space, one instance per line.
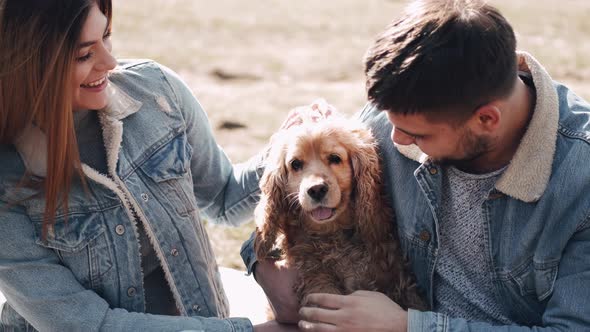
x=164 y=167
x=537 y=216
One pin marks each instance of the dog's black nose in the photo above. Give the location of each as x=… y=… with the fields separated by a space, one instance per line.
x=317 y=192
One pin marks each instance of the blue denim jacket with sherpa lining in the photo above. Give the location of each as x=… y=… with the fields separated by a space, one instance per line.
x=537 y=217
x=164 y=168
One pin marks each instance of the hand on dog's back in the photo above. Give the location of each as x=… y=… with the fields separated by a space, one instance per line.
x=316 y=111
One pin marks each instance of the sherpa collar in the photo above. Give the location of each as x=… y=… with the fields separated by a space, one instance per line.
x=529 y=170
x=32 y=143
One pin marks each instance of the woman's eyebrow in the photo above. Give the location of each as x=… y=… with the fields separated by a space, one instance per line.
x=86 y=44
x=92 y=42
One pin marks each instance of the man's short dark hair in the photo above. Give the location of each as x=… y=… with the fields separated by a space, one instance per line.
x=442 y=54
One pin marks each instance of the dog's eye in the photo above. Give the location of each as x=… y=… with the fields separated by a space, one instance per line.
x=334 y=159
x=296 y=164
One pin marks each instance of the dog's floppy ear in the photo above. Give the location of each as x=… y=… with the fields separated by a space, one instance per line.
x=373 y=217
x=272 y=211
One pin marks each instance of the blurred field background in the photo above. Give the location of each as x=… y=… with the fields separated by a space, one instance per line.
x=249 y=62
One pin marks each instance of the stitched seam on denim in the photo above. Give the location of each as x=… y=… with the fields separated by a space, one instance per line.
x=165 y=78
x=521 y=267
x=585 y=224
x=151 y=151
x=245 y=201
x=140 y=63
x=583 y=136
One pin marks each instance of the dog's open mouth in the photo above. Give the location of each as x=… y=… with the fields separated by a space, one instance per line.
x=322 y=213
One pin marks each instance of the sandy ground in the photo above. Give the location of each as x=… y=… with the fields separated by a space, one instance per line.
x=249 y=62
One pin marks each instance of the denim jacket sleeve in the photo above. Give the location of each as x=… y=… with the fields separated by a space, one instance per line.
x=49 y=297
x=226 y=194
x=248 y=254
x=567 y=310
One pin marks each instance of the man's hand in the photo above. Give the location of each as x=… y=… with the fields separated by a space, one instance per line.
x=277 y=279
x=359 y=311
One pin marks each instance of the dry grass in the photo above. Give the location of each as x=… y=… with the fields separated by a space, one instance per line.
x=251 y=61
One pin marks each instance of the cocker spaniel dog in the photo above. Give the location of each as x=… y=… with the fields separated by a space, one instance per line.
x=323 y=209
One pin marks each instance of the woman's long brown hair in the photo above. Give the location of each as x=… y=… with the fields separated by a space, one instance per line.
x=38 y=51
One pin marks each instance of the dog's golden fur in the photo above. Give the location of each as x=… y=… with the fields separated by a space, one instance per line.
x=322 y=204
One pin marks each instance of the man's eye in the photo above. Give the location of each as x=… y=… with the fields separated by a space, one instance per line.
x=334 y=159
x=296 y=164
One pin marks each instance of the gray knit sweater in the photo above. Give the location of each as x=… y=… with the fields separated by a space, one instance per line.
x=462 y=281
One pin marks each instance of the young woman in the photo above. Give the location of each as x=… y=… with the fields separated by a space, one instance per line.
x=104 y=168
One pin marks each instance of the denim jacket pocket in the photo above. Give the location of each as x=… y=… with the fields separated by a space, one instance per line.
x=536 y=279
x=530 y=286
x=169 y=167
x=81 y=244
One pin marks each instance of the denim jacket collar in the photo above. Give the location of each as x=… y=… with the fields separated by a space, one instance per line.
x=32 y=146
x=529 y=170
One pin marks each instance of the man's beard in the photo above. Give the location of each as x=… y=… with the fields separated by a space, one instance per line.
x=472 y=146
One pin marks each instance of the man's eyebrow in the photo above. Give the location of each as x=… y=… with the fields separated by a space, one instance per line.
x=407 y=132
x=92 y=42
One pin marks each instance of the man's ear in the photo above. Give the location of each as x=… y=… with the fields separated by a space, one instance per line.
x=486 y=119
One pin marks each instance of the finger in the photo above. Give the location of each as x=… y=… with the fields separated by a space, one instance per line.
x=319 y=104
x=324 y=300
x=364 y=293
x=294 y=117
x=316 y=326
x=294 y=121
x=314 y=314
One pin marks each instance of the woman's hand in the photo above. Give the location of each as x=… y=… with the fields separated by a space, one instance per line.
x=317 y=111
x=359 y=311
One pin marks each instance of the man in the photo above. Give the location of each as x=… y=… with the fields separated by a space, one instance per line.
x=487 y=174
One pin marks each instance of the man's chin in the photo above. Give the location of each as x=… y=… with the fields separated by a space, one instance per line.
x=445 y=161
x=463 y=163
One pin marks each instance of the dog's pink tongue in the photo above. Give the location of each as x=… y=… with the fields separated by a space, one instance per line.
x=321 y=213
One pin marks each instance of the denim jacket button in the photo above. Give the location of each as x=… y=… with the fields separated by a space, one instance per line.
x=174 y=252
x=433 y=171
x=196 y=308
x=425 y=236
x=120 y=230
x=131 y=291
x=144 y=196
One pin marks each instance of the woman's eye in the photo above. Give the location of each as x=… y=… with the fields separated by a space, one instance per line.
x=334 y=159
x=90 y=54
x=84 y=57
x=296 y=164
